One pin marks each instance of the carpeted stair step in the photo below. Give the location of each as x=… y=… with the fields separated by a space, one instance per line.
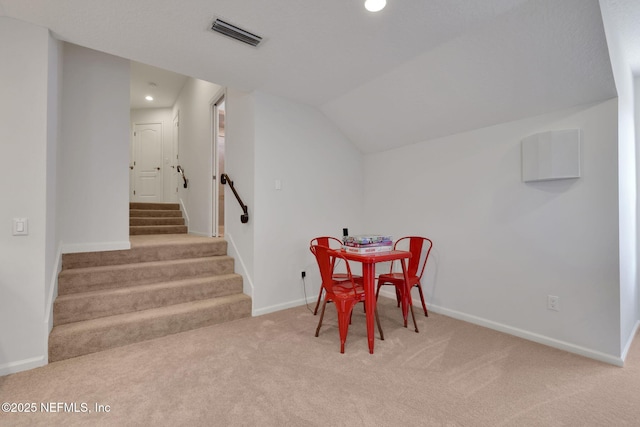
x=155 y=218
x=125 y=275
x=157 y=229
x=164 y=284
x=92 y=305
x=155 y=206
x=151 y=248
x=156 y=221
x=90 y=336
x=140 y=213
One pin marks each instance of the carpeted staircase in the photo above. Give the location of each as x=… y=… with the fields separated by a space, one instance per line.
x=163 y=285
x=155 y=218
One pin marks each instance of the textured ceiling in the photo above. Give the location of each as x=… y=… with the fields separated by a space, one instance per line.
x=164 y=86
x=542 y=56
x=625 y=20
x=417 y=70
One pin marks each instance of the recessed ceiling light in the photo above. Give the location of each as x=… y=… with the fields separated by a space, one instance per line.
x=149 y=98
x=375 y=5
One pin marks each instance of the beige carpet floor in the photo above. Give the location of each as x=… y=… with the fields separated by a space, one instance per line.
x=271 y=371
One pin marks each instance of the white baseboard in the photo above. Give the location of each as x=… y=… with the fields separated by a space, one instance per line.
x=246 y=278
x=283 y=306
x=53 y=293
x=185 y=214
x=22 y=365
x=531 y=336
x=53 y=289
x=627 y=346
x=68 y=248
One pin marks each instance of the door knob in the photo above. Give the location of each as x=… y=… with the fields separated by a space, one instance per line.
x=158 y=168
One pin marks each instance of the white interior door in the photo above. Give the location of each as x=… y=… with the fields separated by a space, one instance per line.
x=147 y=142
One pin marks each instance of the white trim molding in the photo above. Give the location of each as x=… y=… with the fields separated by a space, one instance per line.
x=627 y=346
x=284 y=306
x=540 y=339
x=246 y=278
x=22 y=365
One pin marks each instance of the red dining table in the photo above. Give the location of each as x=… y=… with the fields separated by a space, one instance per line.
x=369 y=276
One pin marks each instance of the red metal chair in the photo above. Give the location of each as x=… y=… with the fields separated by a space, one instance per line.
x=345 y=294
x=333 y=243
x=420 y=248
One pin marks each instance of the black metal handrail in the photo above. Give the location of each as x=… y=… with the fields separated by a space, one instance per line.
x=181 y=172
x=244 y=218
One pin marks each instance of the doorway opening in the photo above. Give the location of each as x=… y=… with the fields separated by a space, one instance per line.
x=218 y=141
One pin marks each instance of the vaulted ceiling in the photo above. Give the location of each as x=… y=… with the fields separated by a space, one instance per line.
x=417 y=70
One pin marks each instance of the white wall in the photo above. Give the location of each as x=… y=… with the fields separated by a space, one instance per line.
x=628 y=158
x=636 y=309
x=239 y=165
x=194 y=107
x=500 y=245
x=321 y=173
x=53 y=244
x=27 y=90
x=165 y=117
x=627 y=161
x=93 y=205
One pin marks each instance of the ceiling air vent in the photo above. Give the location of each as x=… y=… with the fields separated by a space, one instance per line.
x=235 y=32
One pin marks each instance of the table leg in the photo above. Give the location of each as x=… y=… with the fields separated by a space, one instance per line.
x=368 y=275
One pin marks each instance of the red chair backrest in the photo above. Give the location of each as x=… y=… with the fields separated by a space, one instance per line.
x=328 y=242
x=326 y=259
x=420 y=248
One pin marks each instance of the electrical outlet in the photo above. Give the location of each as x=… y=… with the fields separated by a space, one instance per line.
x=553 y=303
x=304 y=274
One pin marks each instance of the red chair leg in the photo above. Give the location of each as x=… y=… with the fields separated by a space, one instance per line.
x=321 y=317
x=424 y=306
x=413 y=316
x=398 y=295
x=318 y=302
x=344 y=315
